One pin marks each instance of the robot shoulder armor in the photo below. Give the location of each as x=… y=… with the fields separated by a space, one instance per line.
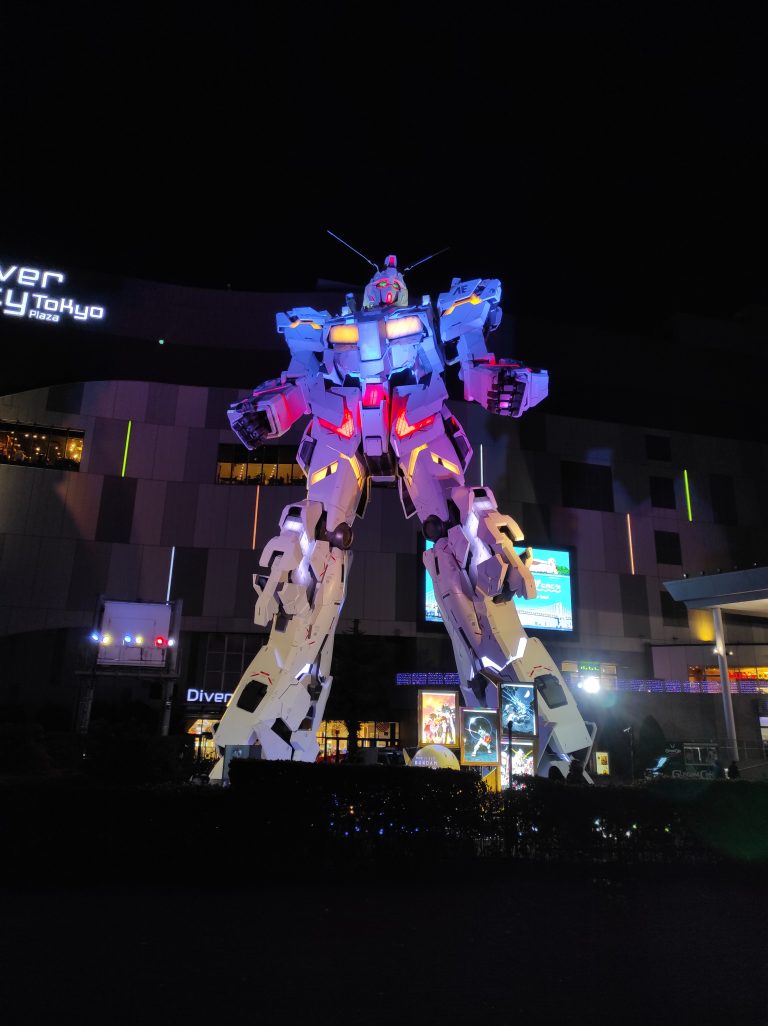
x=301 y=319
x=474 y=291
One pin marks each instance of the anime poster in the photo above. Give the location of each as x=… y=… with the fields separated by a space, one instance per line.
x=518 y=708
x=602 y=764
x=479 y=737
x=437 y=718
x=517 y=760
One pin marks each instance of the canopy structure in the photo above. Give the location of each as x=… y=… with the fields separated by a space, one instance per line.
x=742 y=592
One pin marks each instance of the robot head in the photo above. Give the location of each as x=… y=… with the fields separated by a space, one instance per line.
x=386 y=288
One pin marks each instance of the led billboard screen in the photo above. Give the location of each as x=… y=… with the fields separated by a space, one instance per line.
x=437 y=718
x=479 y=737
x=551 y=610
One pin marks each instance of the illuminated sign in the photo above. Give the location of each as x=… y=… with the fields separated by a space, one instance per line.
x=517 y=760
x=135 y=634
x=518 y=708
x=602 y=764
x=212 y=697
x=479 y=737
x=551 y=610
x=437 y=718
x=26 y=292
x=427 y=680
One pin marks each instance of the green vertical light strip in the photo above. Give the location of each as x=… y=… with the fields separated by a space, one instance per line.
x=687 y=495
x=127 y=443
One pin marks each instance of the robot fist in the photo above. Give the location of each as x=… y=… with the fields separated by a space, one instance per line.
x=504 y=387
x=507 y=388
x=250 y=424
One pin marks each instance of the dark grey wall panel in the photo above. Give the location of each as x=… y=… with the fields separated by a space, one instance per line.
x=118 y=496
x=189 y=572
x=245 y=596
x=124 y=573
x=179 y=514
x=53 y=573
x=161 y=404
x=634 y=605
x=66 y=398
x=105 y=445
x=219 y=400
x=408 y=573
x=221 y=583
x=89 y=575
x=202 y=451
x=17 y=569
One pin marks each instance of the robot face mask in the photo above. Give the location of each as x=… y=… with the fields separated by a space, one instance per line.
x=386 y=288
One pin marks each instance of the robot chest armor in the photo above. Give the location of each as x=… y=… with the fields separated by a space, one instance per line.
x=373 y=346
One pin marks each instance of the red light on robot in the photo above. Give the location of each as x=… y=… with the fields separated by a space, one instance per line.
x=160 y=641
x=347 y=427
x=403 y=428
x=374 y=396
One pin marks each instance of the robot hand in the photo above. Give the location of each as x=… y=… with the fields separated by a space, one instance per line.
x=504 y=387
x=250 y=424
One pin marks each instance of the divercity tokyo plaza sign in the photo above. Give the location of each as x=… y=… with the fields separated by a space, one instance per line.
x=26 y=292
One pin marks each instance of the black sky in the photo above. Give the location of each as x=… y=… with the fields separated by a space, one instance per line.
x=607 y=165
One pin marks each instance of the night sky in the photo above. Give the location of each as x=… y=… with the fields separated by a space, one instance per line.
x=608 y=166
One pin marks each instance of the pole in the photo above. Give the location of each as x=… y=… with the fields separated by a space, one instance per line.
x=722 y=662
x=167 y=703
x=631 y=735
x=86 y=697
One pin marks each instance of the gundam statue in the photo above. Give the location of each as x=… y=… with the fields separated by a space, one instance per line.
x=372 y=381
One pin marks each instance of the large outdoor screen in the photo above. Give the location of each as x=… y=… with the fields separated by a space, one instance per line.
x=551 y=610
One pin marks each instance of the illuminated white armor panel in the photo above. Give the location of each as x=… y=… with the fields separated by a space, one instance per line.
x=372 y=380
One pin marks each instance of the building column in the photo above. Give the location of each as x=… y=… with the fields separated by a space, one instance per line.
x=722 y=661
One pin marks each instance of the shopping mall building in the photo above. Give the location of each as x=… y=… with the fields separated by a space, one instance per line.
x=120 y=479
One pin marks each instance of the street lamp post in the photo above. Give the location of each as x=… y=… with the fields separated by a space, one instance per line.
x=631 y=735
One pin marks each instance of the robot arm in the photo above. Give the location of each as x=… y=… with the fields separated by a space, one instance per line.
x=269 y=412
x=469 y=312
x=277 y=404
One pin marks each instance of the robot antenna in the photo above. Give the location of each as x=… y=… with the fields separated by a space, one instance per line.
x=424 y=259
x=353 y=249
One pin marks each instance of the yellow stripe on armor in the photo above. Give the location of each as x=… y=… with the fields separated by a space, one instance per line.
x=301 y=320
x=446 y=463
x=412 y=461
x=357 y=470
x=473 y=299
x=324 y=472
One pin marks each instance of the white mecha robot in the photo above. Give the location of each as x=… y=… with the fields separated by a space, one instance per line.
x=372 y=381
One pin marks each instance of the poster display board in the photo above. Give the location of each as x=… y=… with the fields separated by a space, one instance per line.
x=479 y=737
x=438 y=713
x=518 y=709
x=518 y=759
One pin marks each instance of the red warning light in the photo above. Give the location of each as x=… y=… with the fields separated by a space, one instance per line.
x=160 y=641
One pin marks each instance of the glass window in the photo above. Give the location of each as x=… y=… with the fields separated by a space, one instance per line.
x=587 y=486
x=33 y=445
x=267 y=465
x=668 y=547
